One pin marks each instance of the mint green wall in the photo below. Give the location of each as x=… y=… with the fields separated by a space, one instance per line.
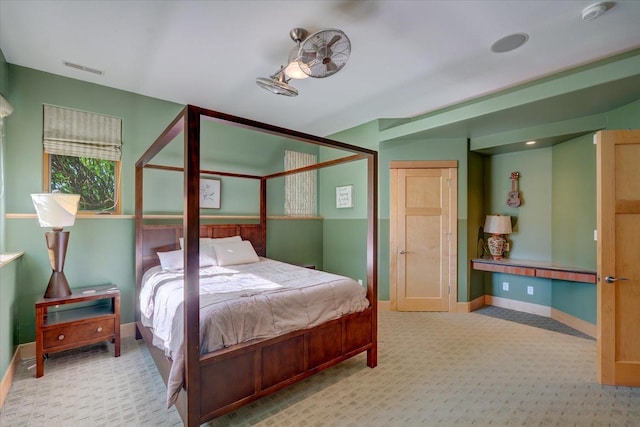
x=99 y=251
x=542 y=288
x=435 y=149
x=295 y=241
x=531 y=237
x=143 y=120
x=4 y=75
x=345 y=248
x=557 y=218
x=345 y=229
x=626 y=117
x=476 y=215
x=573 y=200
x=8 y=274
x=102 y=249
x=554 y=223
x=9 y=319
x=4 y=91
x=575 y=298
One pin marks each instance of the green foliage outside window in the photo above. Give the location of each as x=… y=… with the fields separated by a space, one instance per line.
x=93 y=179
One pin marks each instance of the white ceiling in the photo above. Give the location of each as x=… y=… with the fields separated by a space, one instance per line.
x=408 y=57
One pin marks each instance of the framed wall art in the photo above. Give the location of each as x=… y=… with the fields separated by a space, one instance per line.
x=210 y=193
x=344 y=196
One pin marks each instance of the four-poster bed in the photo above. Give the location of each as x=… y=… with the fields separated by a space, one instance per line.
x=223 y=380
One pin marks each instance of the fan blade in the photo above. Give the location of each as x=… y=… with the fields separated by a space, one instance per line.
x=332 y=67
x=334 y=40
x=307 y=56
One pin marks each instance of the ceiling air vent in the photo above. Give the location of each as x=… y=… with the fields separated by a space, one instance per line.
x=83 y=68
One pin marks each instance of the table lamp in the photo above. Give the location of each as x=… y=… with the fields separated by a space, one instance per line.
x=56 y=210
x=497 y=226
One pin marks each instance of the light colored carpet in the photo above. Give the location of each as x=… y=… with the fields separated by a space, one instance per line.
x=434 y=369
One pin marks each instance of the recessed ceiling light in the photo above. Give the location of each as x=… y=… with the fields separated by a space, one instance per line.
x=509 y=42
x=596 y=10
x=530 y=142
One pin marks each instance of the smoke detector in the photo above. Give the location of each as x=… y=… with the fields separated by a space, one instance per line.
x=596 y=10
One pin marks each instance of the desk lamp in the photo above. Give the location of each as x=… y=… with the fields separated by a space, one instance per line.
x=56 y=210
x=497 y=226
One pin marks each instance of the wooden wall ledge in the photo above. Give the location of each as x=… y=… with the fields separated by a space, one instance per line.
x=7 y=257
x=534 y=269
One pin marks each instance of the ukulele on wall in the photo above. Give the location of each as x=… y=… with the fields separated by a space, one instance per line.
x=514 y=195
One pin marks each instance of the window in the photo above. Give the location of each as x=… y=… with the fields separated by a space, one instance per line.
x=299 y=188
x=82 y=154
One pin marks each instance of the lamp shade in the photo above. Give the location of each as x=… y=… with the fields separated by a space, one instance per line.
x=497 y=224
x=56 y=210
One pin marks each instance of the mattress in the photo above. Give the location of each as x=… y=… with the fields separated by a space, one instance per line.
x=243 y=302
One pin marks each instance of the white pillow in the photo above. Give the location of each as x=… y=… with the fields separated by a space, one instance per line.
x=206 y=248
x=207 y=240
x=174 y=260
x=230 y=253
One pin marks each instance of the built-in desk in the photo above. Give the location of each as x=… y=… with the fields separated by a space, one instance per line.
x=534 y=269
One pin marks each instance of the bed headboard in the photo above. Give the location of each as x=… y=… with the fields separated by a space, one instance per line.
x=165 y=237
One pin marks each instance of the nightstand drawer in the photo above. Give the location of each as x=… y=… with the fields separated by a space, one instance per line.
x=89 y=331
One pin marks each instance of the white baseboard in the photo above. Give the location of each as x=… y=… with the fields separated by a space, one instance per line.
x=7 y=378
x=28 y=351
x=574 y=322
x=526 y=307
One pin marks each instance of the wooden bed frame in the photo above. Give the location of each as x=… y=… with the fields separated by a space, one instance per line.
x=222 y=381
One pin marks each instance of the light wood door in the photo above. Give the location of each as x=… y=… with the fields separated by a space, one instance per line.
x=618 y=205
x=423 y=249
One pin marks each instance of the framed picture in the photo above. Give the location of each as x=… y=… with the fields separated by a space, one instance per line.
x=210 y=193
x=344 y=196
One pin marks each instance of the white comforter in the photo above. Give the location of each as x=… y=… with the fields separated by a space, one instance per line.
x=243 y=302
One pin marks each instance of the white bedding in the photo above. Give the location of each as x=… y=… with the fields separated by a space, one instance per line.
x=242 y=302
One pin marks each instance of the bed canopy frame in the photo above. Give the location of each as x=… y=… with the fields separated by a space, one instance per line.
x=222 y=381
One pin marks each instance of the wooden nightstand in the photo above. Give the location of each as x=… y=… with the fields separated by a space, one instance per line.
x=80 y=324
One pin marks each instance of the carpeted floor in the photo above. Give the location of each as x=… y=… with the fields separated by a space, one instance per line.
x=434 y=369
x=531 y=320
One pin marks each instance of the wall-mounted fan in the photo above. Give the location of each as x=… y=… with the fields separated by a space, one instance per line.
x=321 y=54
x=324 y=53
x=277 y=84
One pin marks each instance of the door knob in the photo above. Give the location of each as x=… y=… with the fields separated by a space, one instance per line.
x=402 y=252
x=611 y=279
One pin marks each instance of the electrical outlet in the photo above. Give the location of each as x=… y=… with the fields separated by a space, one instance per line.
x=530 y=290
x=360 y=281
x=507 y=247
x=505 y=286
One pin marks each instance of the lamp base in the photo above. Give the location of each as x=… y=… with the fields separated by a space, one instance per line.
x=58 y=286
x=496 y=244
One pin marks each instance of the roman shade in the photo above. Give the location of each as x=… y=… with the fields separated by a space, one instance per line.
x=76 y=133
x=300 y=188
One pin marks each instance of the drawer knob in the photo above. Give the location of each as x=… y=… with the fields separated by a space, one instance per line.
x=99 y=329
x=60 y=337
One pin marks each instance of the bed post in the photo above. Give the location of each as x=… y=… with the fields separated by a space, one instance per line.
x=139 y=242
x=263 y=213
x=372 y=253
x=191 y=227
